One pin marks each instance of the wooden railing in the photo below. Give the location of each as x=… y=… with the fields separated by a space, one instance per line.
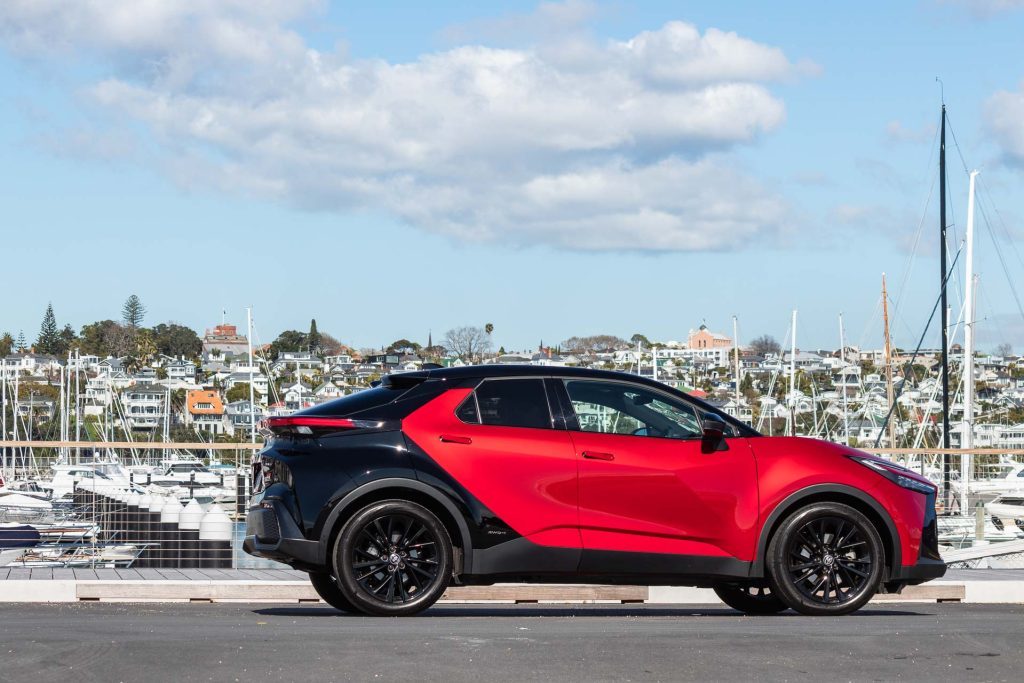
x=139 y=445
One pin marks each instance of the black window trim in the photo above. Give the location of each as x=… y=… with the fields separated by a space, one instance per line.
x=476 y=403
x=552 y=416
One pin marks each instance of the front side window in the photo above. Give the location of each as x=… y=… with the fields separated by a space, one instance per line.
x=619 y=408
x=508 y=403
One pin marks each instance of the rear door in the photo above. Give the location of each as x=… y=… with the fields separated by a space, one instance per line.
x=502 y=444
x=644 y=484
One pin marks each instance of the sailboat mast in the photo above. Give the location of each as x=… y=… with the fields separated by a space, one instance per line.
x=252 y=394
x=945 y=309
x=842 y=361
x=792 y=381
x=888 y=363
x=967 y=441
x=736 y=359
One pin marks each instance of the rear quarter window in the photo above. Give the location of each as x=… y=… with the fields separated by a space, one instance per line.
x=513 y=403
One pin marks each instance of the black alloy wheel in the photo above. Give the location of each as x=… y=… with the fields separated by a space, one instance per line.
x=750 y=598
x=393 y=558
x=826 y=559
x=327 y=588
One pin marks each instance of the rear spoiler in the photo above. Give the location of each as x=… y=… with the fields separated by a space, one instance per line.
x=402 y=380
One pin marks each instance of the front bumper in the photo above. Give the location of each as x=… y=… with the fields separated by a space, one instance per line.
x=271 y=533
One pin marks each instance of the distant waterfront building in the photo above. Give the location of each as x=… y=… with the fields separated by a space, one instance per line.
x=145 y=405
x=205 y=411
x=226 y=340
x=703 y=338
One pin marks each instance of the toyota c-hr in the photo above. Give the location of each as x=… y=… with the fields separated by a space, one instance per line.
x=484 y=474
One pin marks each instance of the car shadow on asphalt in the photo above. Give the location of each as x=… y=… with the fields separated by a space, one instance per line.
x=593 y=611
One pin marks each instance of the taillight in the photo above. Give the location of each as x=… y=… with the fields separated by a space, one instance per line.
x=307 y=425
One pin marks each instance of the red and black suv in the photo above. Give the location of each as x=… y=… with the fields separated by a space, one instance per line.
x=483 y=474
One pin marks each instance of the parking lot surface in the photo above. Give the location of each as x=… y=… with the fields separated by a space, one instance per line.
x=227 y=642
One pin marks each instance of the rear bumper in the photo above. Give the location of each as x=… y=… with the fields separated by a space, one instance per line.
x=271 y=533
x=926 y=569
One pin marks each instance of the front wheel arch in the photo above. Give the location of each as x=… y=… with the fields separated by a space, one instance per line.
x=832 y=493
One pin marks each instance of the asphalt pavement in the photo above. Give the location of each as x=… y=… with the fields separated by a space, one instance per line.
x=229 y=642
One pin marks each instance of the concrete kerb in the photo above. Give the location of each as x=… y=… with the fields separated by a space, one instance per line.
x=15 y=590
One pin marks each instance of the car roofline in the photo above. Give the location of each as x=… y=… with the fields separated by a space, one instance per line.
x=482 y=372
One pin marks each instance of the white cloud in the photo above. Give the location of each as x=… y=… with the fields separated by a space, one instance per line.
x=896 y=131
x=1004 y=119
x=615 y=145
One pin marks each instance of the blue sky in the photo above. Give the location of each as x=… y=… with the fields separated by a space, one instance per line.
x=668 y=163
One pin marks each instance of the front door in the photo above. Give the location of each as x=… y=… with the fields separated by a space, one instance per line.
x=646 y=487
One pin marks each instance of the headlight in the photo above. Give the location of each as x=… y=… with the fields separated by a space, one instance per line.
x=892 y=473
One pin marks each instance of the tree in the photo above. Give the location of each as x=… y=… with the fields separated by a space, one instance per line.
x=21 y=346
x=133 y=312
x=140 y=348
x=468 y=343
x=239 y=392
x=68 y=339
x=403 y=346
x=289 y=340
x=49 y=336
x=172 y=339
x=1004 y=350
x=639 y=339
x=764 y=345
x=6 y=344
x=331 y=346
x=313 y=340
x=598 y=343
x=95 y=337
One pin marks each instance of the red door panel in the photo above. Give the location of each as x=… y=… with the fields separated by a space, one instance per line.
x=648 y=494
x=527 y=477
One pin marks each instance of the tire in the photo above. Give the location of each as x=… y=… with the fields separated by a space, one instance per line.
x=825 y=559
x=327 y=589
x=750 y=599
x=393 y=558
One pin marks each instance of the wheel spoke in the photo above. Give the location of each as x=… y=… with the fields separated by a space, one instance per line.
x=391 y=586
x=847 y=576
x=408 y=541
x=851 y=545
x=401 y=589
x=405 y=534
x=372 y=563
x=807 y=536
x=368 y=574
x=841 y=540
x=419 y=545
x=384 y=583
x=422 y=572
x=384 y=541
x=856 y=571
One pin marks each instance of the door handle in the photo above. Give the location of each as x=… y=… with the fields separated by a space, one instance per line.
x=450 y=438
x=597 y=455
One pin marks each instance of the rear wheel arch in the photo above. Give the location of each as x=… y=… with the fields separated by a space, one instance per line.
x=832 y=493
x=399 y=489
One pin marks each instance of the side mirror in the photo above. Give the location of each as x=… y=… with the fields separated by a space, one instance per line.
x=713 y=438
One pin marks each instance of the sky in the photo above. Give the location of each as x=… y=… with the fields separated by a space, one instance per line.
x=556 y=169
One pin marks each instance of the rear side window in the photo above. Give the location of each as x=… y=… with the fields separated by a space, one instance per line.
x=508 y=403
